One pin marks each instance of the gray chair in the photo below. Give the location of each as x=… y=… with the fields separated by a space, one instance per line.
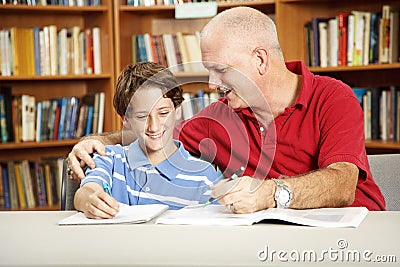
x=68 y=189
x=385 y=170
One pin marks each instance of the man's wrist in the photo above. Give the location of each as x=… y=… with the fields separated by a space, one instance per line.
x=283 y=195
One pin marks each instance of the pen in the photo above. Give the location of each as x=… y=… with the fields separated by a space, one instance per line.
x=106 y=188
x=234 y=176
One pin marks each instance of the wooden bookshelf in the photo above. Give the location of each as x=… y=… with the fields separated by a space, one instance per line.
x=47 y=87
x=160 y=20
x=56 y=86
x=291 y=16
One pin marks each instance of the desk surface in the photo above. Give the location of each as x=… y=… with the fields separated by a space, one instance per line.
x=34 y=238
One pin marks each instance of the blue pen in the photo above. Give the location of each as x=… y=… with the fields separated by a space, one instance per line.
x=234 y=176
x=106 y=188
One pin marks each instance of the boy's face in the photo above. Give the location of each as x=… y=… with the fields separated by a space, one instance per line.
x=152 y=118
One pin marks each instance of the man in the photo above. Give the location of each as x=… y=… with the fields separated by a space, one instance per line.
x=316 y=125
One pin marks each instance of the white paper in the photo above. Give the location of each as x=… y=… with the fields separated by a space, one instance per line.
x=126 y=214
x=219 y=215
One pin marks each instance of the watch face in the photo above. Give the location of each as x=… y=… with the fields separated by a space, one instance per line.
x=284 y=196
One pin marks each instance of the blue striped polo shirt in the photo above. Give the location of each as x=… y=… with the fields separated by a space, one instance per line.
x=178 y=181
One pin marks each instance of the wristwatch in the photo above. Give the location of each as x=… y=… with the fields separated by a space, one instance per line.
x=283 y=195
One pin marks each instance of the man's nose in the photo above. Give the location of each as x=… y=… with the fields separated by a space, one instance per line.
x=213 y=81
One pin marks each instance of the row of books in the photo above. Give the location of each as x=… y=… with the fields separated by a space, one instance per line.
x=50 y=51
x=174 y=2
x=22 y=118
x=180 y=51
x=52 y=2
x=194 y=102
x=353 y=38
x=27 y=184
x=381 y=108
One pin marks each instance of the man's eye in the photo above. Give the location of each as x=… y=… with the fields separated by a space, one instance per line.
x=164 y=113
x=221 y=70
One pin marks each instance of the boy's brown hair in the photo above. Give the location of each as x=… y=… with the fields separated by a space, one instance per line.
x=133 y=76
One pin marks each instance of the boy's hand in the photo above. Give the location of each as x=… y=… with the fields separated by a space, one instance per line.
x=95 y=203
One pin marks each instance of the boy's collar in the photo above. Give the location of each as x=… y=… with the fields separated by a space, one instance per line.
x=170 y=167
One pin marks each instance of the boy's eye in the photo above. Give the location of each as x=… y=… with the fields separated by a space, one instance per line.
x=141 y=117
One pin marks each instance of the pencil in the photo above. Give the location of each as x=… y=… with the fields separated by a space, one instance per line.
x=234 y=176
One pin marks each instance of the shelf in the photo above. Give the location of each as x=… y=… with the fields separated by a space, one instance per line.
x=371 y=67
x=379 y=144
x=52 y=8
x=55 y=78
x=221 y=5
x=44 y=208
x=42 y=144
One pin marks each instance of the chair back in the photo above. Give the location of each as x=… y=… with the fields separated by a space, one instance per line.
x=68 y=189
x=385 y=170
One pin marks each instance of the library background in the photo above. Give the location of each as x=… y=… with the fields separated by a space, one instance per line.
x=59 y=61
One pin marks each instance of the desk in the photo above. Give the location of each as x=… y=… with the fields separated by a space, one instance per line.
x=34 y=238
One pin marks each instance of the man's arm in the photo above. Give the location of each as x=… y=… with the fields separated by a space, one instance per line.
x=80 y=154
x=333 y=186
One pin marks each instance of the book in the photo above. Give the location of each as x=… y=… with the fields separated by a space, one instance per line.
x=6 y=187
x=7 y=95
x=127 y=214
x=350 y=39
x=323 y=43
x=374 y=38
x=3 y=124
x=384 y=38
x=333 y=42
x=97 y=68
x=12 y=183
x=2 y=190
x=394 y=37
x=28 y=117
x=342 y=36
x=100 y=118
x=316 y=39
x=219 y=215
x=359 y=37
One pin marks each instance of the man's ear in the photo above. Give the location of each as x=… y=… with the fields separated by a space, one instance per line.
x=178 y=113
x=262 y=59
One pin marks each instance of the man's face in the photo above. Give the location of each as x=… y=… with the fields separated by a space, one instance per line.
x=152 y=118
x=229 y=70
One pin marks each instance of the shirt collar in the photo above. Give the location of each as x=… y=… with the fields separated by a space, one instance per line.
x=136 y=156
x=176 y=163
x=299 y=68
x=170 y=167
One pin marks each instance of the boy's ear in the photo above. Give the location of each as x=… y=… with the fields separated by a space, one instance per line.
x=125 y=123
x=178 y=113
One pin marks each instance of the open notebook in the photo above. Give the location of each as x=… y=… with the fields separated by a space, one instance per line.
x=127 y=214
x=219 y=215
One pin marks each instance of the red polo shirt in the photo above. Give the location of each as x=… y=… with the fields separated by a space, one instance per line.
x=324 y=126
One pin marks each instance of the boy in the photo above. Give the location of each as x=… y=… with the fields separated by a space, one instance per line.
x=154 y=168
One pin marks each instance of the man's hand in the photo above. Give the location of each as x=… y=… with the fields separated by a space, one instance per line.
x=95 y=203
x=247 y=194
x=80 y=156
